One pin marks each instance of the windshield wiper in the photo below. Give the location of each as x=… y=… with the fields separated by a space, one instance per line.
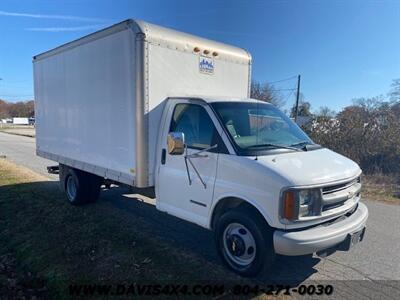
x=306 y=145
x=302 y=143
x=274 y=146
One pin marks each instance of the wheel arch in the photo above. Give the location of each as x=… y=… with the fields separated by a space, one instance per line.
x=230 y=202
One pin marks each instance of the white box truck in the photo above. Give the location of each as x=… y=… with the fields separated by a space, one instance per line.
x=20 y=121
x=151 y=107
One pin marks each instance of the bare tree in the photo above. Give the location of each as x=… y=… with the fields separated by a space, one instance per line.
x=304 y=109
x=18 y=109
x=325 y=112
x=394 y=93
x=4 y=111
x=367 y=131
x=396 y=109
x=267 y=93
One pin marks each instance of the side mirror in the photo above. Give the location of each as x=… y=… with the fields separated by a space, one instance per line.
x=176 y=143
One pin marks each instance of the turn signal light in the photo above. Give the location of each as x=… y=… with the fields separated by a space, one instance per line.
x=289 y=205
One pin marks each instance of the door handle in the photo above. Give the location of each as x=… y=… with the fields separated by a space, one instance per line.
x=163 y=156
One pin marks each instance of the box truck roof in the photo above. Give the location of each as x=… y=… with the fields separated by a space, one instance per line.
x=228 y=99
x=163 y=37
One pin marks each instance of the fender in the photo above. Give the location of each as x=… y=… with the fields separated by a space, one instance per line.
x=244 y=198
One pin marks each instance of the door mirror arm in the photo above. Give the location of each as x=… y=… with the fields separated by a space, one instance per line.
x=196 y=155
x=176 y=146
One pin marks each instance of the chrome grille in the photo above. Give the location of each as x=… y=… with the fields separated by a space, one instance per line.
x=339 y=187
x=332 y=205
x=337 y=195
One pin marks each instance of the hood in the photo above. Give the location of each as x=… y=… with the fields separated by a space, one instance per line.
x=311 y=167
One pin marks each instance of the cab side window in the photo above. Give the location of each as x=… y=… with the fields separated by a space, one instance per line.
x=197 y=126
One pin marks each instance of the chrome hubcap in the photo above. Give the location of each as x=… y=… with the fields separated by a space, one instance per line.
x=71 y=188
x=239 y=244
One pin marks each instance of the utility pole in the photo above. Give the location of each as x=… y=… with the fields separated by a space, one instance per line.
x=297 y=98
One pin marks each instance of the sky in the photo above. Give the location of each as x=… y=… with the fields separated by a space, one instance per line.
x=342 y=49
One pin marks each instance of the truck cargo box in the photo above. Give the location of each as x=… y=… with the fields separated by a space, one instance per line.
x=20 y=121
x=99 y=99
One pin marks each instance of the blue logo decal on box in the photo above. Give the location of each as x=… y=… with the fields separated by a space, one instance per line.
x=206 y=65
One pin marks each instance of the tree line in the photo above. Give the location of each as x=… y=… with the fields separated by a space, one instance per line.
x=367 y=131
x=17 y=109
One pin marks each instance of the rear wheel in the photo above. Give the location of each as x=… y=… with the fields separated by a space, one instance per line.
x=71 y=188
x=244 y=242
x=80 y=187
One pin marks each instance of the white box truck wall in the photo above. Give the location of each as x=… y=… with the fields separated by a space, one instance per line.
x=99 y=99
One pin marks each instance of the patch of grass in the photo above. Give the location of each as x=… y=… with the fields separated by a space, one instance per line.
x=51 y=244
x=15 y=126
x=379 y=187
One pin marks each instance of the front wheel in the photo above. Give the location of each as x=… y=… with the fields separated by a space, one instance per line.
x=244 y=242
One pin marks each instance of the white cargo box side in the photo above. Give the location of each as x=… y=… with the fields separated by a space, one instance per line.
x=85 y=108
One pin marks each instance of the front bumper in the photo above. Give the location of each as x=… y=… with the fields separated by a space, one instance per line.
x=321 y=237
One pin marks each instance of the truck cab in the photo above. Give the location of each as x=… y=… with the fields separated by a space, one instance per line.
x=242 y=168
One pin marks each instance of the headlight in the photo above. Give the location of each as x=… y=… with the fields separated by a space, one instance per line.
x=301 y=203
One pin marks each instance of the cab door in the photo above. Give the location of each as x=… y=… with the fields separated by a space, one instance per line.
x=185 y=183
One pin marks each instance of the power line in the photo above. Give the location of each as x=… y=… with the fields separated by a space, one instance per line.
x=286 y=79
x=288 y=96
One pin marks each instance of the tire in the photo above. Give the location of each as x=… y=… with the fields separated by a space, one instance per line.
x=80 y=187
x=244 y=242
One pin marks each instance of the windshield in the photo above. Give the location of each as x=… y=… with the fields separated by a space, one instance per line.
x=259 y=126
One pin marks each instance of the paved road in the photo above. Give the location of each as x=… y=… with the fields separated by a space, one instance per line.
x=21 y=150
x=376 y=261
